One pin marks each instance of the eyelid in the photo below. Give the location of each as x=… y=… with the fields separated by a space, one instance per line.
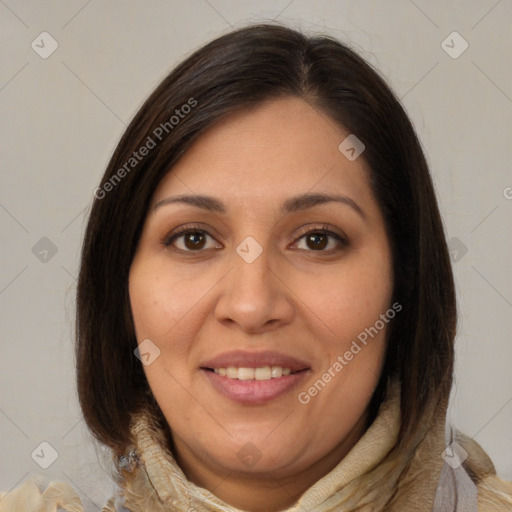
x=183 y=230
x=325 y=229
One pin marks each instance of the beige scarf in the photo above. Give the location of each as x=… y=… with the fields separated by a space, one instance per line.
x=373 y=476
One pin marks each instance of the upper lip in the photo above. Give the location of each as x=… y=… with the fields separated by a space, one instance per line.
x=244 y=359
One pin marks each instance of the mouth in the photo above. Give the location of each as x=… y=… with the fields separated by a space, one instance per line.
x=260 y=373
x=254 y=378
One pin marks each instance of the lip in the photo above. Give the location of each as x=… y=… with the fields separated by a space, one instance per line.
x=254 y=392
x=241 y=358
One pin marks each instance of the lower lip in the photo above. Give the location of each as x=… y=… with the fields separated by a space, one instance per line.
x=254 y=391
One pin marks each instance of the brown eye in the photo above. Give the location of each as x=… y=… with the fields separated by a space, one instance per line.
x=194 y=240
x=190 y=240
x=318 y=240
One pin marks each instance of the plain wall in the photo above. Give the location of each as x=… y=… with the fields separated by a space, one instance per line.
x=63 y=115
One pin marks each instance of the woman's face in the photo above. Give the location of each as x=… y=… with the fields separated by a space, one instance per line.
x=253 y=313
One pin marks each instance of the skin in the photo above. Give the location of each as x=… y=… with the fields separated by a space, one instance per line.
x=295 y=298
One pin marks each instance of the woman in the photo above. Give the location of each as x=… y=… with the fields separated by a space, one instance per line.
x=266 y=307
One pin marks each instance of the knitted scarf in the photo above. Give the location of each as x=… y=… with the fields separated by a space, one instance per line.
x=373 y=476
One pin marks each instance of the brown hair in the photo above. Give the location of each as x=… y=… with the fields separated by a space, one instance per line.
x=235 y=71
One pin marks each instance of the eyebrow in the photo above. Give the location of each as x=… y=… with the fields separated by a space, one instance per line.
x=293 y=204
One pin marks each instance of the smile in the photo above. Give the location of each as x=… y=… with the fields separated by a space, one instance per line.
x=261 y=373
x=254 y=378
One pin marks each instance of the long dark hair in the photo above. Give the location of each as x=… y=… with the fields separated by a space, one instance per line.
x=233 y=72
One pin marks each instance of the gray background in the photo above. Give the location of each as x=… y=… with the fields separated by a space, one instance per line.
x=63 y=115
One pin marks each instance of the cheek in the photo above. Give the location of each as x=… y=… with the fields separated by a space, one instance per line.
x=351 y=334
x=353 y=349
x=349 y=300
x=160 y=301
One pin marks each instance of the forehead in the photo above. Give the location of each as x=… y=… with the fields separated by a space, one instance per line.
x=282 y=147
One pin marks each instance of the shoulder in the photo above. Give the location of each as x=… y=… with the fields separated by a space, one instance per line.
x=36 y=495
x=494 y=494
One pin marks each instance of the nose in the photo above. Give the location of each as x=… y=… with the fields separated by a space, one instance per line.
x=253 y=296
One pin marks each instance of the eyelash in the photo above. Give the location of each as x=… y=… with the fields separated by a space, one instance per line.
x=191 y=228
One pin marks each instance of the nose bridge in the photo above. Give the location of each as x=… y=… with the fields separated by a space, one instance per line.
x=250 y=250
x=252 y=295
x=251 y=266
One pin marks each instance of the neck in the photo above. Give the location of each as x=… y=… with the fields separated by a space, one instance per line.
x=261 y=492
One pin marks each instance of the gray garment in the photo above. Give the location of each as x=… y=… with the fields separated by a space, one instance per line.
x=456 y=492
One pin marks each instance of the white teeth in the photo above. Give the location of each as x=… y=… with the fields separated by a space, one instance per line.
x=261 y=373
x=277 y=372
x=232 y=372
x=246 y=373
